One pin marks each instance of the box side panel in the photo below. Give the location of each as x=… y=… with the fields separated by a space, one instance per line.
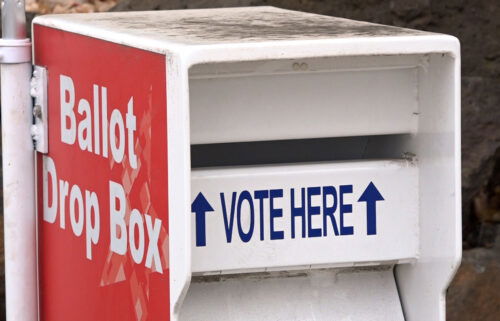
x=422 y=286
x=103 y=199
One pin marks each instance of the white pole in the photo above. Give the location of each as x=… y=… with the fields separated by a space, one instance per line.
x=18 y=167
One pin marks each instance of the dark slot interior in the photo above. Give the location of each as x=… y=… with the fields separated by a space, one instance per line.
x=300 y=150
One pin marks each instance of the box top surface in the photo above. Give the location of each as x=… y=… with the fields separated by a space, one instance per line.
x=227 y=25
x=164 y=31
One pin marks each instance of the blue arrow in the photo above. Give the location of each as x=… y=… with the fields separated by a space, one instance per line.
x=200 y=206
x=371 y=195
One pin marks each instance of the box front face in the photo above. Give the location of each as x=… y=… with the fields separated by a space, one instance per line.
x=102 y=188
x=307 y=215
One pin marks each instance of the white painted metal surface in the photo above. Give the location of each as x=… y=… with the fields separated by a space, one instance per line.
x=337 y=214
x=423 y=285
x=212 y=27
x=18 y=167
x=18 y=194
x=321 y=295
x=221 y=45
x=315 y=103
x=39 y=130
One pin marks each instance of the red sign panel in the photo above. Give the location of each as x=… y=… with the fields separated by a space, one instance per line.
x=102 y=188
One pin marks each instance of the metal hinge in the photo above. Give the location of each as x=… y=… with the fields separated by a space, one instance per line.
x=39 y=131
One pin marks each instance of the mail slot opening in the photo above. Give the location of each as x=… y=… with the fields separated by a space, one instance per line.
x=301 y=150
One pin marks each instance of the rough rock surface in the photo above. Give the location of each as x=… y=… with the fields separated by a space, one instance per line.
x=474 y=294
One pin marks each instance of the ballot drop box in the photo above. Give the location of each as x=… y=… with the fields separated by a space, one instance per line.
x=245 y=164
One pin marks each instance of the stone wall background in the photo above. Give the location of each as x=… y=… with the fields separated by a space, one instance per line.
x=475 y=292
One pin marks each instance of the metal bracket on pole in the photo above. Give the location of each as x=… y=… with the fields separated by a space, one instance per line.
x=15 y=51
x=39 y=130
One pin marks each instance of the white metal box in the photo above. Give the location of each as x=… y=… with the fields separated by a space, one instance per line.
x=313 y=162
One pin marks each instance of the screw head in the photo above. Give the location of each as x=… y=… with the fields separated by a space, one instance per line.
x=37 y=111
